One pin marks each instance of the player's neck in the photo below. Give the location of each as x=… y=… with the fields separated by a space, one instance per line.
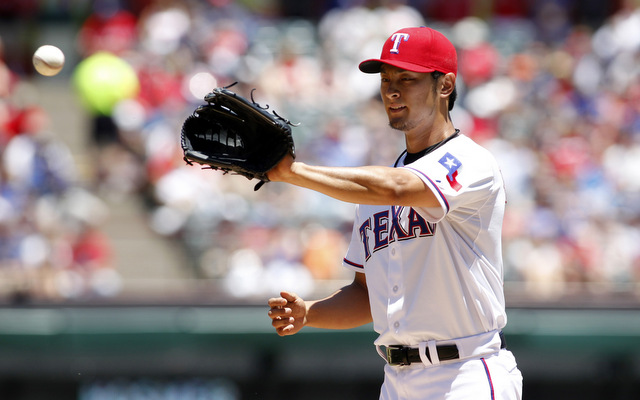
x=417 y=142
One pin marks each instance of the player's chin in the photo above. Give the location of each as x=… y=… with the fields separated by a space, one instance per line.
x=399 y=124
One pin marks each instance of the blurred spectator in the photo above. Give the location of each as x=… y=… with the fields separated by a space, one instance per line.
x=50 y=244
x=109 y=28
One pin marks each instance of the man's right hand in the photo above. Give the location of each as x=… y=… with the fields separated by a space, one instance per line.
x=288 y=313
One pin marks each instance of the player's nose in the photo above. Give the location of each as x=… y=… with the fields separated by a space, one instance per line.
x=391 y=91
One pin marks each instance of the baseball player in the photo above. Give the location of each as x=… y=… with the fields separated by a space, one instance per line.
x=426 y=241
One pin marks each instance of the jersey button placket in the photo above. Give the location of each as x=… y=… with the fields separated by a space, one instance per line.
x=396 y=295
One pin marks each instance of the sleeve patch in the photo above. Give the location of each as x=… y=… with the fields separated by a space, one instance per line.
x=452 y=165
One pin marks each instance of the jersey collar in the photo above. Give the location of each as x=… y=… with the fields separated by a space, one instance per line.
x=412 y=157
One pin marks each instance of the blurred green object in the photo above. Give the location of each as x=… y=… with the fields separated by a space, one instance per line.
x=104 y=79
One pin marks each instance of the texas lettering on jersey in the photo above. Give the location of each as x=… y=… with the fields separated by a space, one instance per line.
x=396 y=223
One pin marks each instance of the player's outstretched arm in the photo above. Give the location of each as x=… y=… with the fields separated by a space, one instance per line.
x=346 y=308
x=376 y=185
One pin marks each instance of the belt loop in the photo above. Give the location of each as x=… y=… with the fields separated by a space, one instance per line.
x=382 y=353
x=422 y=350
x=433 y=352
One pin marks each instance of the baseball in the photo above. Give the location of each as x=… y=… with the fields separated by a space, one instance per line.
x=48 y=60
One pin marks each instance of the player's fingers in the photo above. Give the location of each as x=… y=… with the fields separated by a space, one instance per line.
x=282 y=331
x=289 y=296
x=279 y=312
x=282 y=323
x=275 y=302
x=286 y=330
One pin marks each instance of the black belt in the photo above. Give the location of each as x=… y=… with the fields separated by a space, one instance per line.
x=403 y=355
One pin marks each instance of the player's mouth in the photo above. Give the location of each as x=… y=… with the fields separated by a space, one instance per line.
x=396 y=109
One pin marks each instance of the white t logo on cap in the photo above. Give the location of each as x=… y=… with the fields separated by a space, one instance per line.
x=397 y=38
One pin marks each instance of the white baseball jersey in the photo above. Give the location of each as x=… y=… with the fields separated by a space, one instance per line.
x=436 y=273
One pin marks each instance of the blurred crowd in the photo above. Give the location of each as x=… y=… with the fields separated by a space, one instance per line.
x=50 y=243
x=552 y=88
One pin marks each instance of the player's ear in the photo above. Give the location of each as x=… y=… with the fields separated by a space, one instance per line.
x=447 y=84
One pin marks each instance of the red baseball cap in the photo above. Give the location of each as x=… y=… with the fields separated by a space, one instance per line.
x=415 y=49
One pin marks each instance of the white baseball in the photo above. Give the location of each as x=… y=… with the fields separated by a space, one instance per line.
x=48 y=60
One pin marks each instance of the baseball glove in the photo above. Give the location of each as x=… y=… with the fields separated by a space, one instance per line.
x=233 y=134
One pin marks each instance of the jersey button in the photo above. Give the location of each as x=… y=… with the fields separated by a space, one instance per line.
x=395 y=288
x=396 y=324
x=393 y=252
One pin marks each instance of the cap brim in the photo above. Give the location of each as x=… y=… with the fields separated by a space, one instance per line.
x=373 y=66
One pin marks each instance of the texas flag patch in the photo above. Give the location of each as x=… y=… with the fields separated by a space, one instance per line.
x=452 y=165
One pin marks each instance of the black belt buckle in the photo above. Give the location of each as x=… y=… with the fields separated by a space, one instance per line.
x=397 y=355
